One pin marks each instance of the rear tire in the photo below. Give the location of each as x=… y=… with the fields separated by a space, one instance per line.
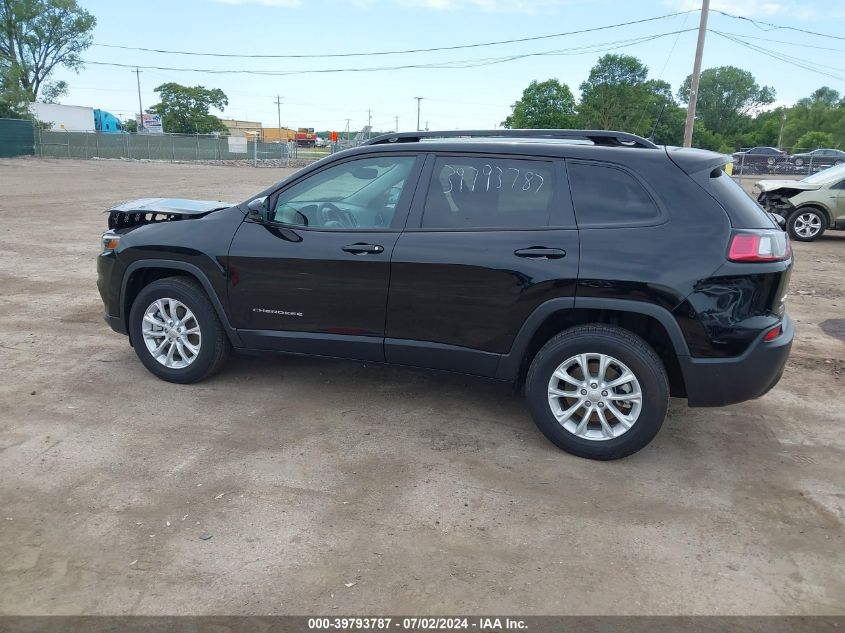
x=175 y=331
x=605 y=435
x=806 y=224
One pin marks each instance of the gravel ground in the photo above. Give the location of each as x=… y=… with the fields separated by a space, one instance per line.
x=338 y=487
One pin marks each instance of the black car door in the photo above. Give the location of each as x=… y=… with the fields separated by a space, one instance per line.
x=488 y=240
x=314 y=278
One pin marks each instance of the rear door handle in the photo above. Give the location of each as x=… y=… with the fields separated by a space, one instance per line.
x=364 y=249
x=540 y=252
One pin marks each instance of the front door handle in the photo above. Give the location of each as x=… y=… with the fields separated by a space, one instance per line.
x=364 y=249
x=540 y=252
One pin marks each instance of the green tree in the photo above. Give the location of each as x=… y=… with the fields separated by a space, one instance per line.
x=824 y=96
x=13 y=100
x=668 y=125
x=36 y=37
x=823 y=111
x=727 y=96
x=546 y=105
x=185 y=109
x=815 y=140
x=130 y=125
x=618 y=95
x=705 y=139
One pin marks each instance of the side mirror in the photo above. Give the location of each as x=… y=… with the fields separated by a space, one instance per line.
x=258 y=209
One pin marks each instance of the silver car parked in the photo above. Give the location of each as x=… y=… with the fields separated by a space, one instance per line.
x=810 y=206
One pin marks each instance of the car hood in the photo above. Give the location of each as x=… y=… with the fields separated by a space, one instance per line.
x=797 y=185
x=178 y=206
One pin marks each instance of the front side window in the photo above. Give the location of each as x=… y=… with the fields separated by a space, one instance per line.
x=356 y=194
x=476 y=193
x=608 y=195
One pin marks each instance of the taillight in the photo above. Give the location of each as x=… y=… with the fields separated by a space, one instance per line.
x=771 y=335
x=763 y=246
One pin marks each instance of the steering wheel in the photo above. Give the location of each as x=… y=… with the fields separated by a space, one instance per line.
x=331 y=213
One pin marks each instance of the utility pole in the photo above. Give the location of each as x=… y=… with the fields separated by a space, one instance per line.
x=780 y=134
x=140 y=107
x=696 y=73
x=347 y=130
x=396 y=127
x=419 y=99
x=369 y=123
x=279 y=114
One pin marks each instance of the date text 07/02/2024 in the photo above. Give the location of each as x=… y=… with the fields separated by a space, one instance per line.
x=408 y=623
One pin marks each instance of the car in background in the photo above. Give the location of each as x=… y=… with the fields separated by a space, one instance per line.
x=810 y=206
x=758 y=159
x=818 y=158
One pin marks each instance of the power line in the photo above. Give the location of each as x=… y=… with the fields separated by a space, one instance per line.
x=399 y=52
x=806 y=65
x=462 y=63
x=773 y=41
x=776 y=27
x=660 y=78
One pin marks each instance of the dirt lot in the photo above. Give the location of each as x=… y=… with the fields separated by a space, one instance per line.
x=430 y=493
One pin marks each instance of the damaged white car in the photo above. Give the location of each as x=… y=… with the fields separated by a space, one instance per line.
x=809 y=206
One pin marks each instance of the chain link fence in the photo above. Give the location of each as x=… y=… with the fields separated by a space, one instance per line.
x=795 y=163
x=21 y=137
x=171 y=147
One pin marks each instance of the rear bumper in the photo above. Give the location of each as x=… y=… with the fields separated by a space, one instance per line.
x=715 y=382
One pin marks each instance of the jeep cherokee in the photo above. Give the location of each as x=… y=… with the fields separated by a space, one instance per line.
x=596 y=270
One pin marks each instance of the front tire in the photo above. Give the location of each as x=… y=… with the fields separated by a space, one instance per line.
x=806 y=224
x=598 y=391
x=175 y=331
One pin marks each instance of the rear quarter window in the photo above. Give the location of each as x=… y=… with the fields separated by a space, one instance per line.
x=743 y=211
x=604 y=195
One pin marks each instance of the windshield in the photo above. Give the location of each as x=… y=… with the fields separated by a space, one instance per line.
x=826 y=175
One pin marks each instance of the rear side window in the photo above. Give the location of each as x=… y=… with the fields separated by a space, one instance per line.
x=476 y=193
x=605 y=195
x=743 y=211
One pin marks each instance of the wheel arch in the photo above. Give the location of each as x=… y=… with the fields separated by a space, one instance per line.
x=142 y=273
x=654 y=324
x=815 y=206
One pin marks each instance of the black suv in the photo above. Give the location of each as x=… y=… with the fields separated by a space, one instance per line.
x=599 y=271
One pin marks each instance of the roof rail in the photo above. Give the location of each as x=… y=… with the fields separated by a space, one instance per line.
x=598 y=137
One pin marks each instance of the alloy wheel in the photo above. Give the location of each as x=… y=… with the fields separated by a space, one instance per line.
x=171 y=333
x=595 y=396
x=807 y=225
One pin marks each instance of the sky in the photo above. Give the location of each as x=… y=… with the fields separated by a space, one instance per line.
x=477 y=95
